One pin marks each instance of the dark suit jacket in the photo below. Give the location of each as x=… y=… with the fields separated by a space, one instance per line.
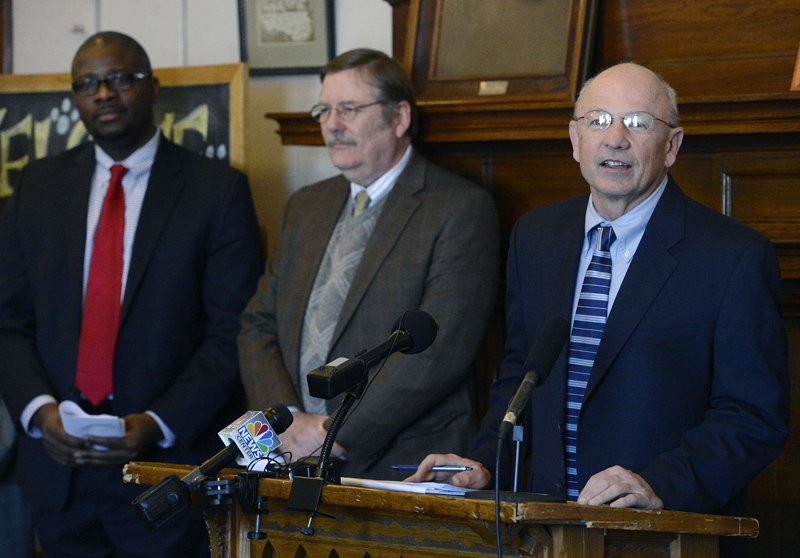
x=434 y=248
x=196 y=259
x=689 y=388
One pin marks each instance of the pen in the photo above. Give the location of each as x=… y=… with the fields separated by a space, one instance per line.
x=437 y=468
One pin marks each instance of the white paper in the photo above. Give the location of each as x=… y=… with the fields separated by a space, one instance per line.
x=416 y=487
x=79 y=423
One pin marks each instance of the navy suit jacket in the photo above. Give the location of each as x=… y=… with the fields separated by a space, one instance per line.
x=690 y=385
x=195 y=263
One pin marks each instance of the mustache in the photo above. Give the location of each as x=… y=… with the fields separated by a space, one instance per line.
x=340 y=138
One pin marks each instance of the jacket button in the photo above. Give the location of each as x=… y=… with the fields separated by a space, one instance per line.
x=559 y=488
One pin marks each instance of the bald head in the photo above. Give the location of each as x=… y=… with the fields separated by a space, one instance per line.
x=637 y=77
x=119 y=40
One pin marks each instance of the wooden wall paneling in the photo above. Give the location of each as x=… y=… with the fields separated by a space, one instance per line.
x=709 y=48
x=694 y=173
x=765 y=194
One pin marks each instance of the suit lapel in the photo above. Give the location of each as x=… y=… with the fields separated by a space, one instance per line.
x=74 y=193
x=652 y=265
x=163 y=189
x=561 y=262
x=397 y=210
x=309 y=246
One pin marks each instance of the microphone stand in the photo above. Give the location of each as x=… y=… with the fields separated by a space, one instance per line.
x=517 y=436
x=306 y=492
x=349 y=400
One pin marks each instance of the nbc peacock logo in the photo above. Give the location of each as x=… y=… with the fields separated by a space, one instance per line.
x=263 y=435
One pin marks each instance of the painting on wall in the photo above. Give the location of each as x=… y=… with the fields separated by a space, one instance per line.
x=499 y=49
x=286 y=36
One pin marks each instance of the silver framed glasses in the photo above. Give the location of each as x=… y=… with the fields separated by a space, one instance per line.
x=346 y=111
x=637 y=122
x=116 y=82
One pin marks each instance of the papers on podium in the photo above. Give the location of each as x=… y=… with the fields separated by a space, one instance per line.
x=416 y=487
x=78 y=423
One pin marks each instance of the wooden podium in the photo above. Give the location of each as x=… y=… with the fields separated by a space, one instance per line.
x=368 y=523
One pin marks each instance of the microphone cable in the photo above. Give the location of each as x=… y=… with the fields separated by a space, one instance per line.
x=497 y=498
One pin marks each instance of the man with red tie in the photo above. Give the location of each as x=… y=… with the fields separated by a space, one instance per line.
x=124 y=266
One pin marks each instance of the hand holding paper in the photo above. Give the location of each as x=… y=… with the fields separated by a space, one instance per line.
x=78 y=423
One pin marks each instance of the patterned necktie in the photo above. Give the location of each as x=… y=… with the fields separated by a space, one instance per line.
x=587 y=329
x=362 y=202
x=93 y=376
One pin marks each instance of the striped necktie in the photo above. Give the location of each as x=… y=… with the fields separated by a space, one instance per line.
x=587 y=329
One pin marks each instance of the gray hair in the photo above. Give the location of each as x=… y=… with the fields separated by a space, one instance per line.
x=387 y=75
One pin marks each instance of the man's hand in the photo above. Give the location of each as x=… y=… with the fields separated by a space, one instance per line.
x=619 y=488
x=478 y=477
x=57 y=443
x=306 y=435
x=141 y=435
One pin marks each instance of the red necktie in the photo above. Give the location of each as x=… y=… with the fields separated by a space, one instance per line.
x=101 y=309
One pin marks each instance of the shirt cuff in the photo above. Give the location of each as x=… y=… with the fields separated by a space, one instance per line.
x=30 y=409
x=169 y=436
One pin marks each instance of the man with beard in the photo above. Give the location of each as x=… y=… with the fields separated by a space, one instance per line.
x=124 y=266
x=393 y=233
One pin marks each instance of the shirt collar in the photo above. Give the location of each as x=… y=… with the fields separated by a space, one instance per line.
x=632 y=223
x=138 y=162
x=384 y=184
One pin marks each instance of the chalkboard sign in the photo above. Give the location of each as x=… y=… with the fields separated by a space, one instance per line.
x=199 y=107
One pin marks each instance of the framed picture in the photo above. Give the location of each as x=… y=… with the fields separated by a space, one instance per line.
x=286 y=36
x=492 y=50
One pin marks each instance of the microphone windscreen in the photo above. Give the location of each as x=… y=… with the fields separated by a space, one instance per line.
x=420 y=326
x=546 y=349
x=279 y=418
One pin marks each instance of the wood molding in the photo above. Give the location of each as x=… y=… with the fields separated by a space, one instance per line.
x=507 y=120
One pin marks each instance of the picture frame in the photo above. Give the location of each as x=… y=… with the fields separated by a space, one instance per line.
x=286 y=37
x=493 y=51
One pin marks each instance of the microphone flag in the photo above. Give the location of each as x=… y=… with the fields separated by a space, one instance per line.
x=253 y=435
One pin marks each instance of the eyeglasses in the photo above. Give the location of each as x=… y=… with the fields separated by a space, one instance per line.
x=639 y=121
x=116 y=82
x=346 y=111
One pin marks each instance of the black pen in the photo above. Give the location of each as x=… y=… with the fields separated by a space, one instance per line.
x=436 y=469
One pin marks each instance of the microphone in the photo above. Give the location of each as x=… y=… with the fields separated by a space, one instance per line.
x=538 y=365
x=248 y=438
x=412 y=333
